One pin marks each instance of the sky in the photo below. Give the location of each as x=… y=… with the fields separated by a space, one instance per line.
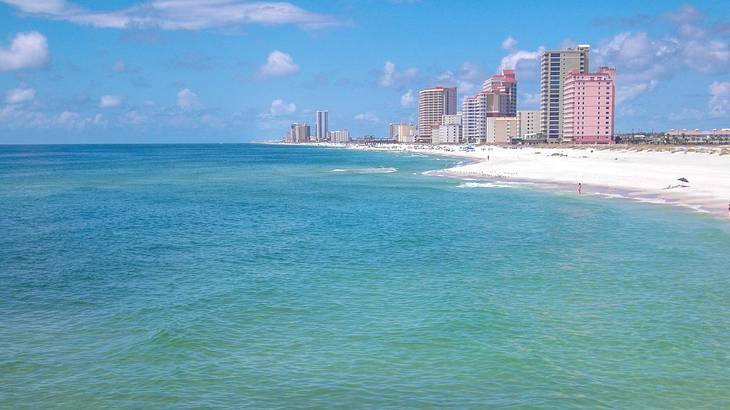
x=163 y=71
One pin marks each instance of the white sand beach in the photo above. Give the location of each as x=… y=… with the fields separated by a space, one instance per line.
x=645 y=173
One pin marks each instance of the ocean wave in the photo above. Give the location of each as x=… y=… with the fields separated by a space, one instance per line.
x=376 y=170
x=484 y=185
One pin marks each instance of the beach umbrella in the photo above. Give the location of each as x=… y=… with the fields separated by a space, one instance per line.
x=683 y=179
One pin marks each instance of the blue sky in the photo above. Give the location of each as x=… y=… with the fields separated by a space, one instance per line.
x=234 y=71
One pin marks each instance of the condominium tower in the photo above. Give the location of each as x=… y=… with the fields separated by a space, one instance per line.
x=504 y=87
x=322 y=126
x=589 y=107
x=433 y=104
x=555 y=66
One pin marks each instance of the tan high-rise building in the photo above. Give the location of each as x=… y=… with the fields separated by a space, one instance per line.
x=554 y=67
x=433 y=104
x=501 y=130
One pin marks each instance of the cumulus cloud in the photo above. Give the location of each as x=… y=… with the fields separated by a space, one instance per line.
x=178 y=14
x=526 y=63
x=643 y=60
x=509 y=43
x=394 y=78
x=110 y=101
x=19 y=95
x=407 y=100
x=278 y=63
x=467 y=78
x=280 y=108
x=187 y=100
x=27 y=50
x=367 y=117
x=719 y=103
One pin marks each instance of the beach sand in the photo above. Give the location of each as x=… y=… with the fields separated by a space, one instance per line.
x=647 y=174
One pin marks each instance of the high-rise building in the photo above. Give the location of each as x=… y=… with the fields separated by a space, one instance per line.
x=340 y=137
x=589 y=100
x=406 y=133
x=501 y=130
x=393 y=131
x=433 y=104
x=473 y=116
x=322 y=126
x=299 y=133
x=503 y=87
x=449 y=132
x=497 y=98
x=529 y=123
x=554 y=68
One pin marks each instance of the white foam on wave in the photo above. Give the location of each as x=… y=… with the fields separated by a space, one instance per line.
x=376 y=170
x=484 y=185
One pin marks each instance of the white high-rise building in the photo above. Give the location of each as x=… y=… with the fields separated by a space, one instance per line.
x=433 y=104
x=341 y=137
x=322 y=126
x=529 y=123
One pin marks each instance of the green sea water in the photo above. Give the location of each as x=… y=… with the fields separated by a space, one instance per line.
x=254 y=276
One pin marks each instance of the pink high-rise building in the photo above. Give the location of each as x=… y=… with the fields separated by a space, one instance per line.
x=589 y=100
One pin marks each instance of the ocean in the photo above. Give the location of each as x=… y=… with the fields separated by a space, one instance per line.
x=259 y=276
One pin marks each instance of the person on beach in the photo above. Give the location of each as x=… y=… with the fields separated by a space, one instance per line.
x=580 y=188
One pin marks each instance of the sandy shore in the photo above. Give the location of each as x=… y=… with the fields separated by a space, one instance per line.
x=648 y=174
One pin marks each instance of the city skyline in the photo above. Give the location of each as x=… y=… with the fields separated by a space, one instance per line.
x=73 y=73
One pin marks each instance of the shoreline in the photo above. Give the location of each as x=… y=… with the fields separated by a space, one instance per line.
x=635 y=173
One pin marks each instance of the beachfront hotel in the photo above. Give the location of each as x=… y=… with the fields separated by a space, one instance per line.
x=497 y=98
x=298 y=133
x=433 y=104
x=322 y=126
x=341 y=136
x=529 y=121
x=589 y=100
x=554 y=68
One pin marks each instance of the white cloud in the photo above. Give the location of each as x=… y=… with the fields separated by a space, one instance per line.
x=467 y=78
x=510 y=61
x=178 y=14
x=278 y=63
x=119 y=67
x=509 y=43
x=187 y=100
x=393 y=78
x=135 y=117
x=366 y=116
x=279 y=108
x=110 y=101
x=27 y=50
x=19 y=95
x=719 y=103
x=407 y=100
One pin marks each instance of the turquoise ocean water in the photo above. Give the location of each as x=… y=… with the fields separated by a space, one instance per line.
x=253 y=276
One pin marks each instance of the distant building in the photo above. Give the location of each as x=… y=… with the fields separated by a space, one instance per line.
x=501 y=130
x=340 y=137
x=322 y=126
x=433 y=104
x=554 y=68
x=503 y=88
x=589 y=100
x=299 y=133
x=529 y=123
x=404 y=133
x=449 y=132
x=393 y=130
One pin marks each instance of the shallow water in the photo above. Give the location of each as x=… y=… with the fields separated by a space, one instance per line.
x=255 y=276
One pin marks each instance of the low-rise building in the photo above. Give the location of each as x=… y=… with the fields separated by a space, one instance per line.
x=339 y=137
